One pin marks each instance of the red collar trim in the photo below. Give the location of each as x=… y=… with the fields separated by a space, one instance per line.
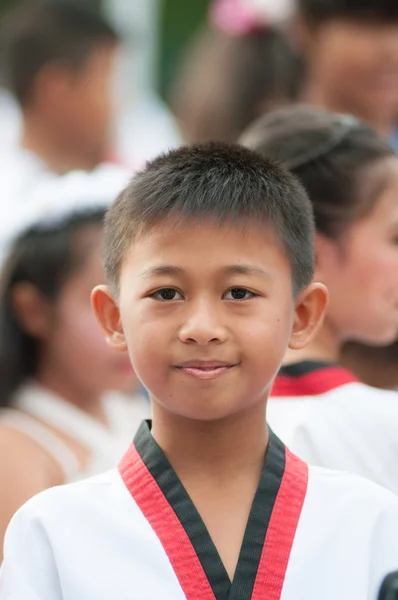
x=290 y=479
x=282 y=530
x=312 y=383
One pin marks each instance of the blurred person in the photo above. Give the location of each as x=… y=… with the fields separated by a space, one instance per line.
x=58 y=61
x=239 y=66
x=350 y=50
x=143 y=126
x=68 y=408
x=320 y=409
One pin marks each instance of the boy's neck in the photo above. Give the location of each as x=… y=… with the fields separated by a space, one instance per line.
x=225 y=448
x=41 y=140
x=315 y=95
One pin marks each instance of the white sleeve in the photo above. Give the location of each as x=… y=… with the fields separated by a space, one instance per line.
x=28 y=571
x=384 y=557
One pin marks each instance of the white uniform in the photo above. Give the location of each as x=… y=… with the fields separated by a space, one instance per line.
x=37 y=411
x=11 y=121
x=31 y=194
x=330 y=419
x=134 y=534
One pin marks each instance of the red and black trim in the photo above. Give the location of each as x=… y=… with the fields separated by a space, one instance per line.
x=269 y=535
x=310 y=378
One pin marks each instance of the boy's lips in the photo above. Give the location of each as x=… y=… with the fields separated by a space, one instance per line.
x=205 y=369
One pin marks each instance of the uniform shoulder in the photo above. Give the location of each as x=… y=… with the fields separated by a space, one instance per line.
x=54 y=503
x=354 y=487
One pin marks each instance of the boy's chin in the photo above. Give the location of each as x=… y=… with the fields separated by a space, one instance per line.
x=207 y=411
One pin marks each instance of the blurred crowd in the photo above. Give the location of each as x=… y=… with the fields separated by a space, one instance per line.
x=311 y=83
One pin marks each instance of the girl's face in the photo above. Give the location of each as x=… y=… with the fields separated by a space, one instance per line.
x=361 y=271
x=75 y=350
x=355 y=63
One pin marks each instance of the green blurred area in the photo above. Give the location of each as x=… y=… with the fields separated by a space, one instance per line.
x=179 y=21
x=6 y=4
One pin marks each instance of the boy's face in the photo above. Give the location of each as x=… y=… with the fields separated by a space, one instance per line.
x=206 y=314
x=356 y=63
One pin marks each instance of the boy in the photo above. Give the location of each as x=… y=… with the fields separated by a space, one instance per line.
x=209 y=259
x=58 y=58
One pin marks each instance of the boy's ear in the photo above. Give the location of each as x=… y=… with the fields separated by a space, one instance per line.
x=309 y=314
x=108 y=316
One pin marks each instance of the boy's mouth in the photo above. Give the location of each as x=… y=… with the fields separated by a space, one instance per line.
x=205 y=369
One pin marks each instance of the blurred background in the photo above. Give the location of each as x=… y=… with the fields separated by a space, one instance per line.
x=155 y=34
x=89 y=91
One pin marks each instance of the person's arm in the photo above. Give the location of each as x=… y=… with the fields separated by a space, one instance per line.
x=25 y=470
x=28 y=571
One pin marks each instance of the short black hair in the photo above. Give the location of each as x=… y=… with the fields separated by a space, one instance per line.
x=40 y=32
x=325 y=10
x=334 y=156
x=217 y=181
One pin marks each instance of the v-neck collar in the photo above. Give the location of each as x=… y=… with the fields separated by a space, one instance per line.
x=310 y=378
x=269 y=534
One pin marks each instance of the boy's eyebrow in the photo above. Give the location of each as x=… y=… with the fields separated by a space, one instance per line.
x=246 y=270
x=162 y=270
x=229 y=270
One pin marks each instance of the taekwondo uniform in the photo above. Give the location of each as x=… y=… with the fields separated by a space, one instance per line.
x=330 y=419
x=133 y=533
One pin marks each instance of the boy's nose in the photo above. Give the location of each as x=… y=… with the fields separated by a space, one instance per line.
x=202 y=327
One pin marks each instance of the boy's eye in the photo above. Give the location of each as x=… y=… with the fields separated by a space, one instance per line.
x=239 y=294
x=167 y=294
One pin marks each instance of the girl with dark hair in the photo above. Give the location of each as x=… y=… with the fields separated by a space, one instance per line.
x=62 y=415
x=239 y=66
x=351 y=176
x=350 y=50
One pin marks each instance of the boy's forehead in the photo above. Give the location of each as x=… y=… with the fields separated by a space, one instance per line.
x=197 y=244
x=175 y=231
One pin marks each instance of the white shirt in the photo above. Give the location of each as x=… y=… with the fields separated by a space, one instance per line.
x=330 y=419
x=134 y=534
x=106 y=444
x=31 y=193
x=10 y=119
